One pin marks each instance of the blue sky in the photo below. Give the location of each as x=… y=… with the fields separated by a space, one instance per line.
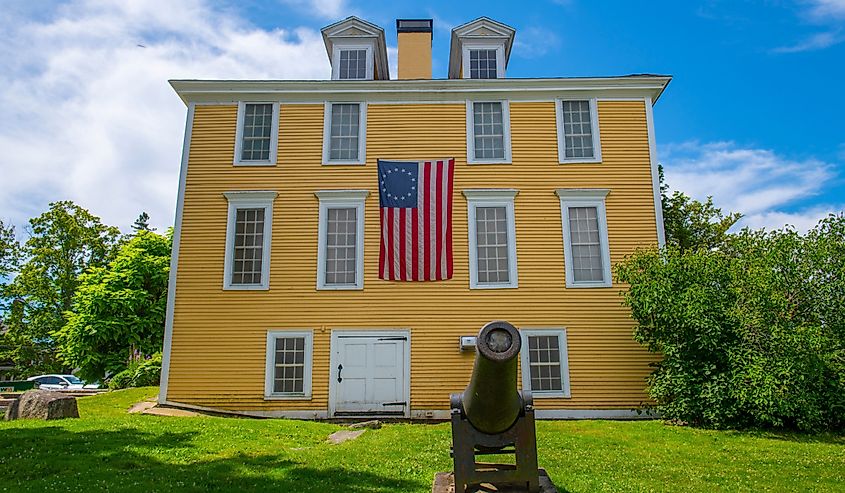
x=754 y=115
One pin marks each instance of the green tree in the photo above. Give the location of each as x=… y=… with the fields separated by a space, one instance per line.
x=118 y=309
x=63 y=242
x=690 y=224
x=9 y=251
x=751 y=334
x=142 y=223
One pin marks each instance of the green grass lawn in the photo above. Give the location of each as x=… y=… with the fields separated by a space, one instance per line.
x=110 y=450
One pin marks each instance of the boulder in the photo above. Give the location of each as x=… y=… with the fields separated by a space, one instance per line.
x=42 y=404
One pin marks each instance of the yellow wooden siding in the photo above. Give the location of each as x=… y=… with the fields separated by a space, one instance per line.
x=218 y=344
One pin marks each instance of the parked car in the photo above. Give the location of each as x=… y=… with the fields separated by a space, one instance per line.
x=61 y=382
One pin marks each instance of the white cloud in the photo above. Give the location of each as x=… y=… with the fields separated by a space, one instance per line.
x=818 y=41
x=534 y=42
x=86 y=112
x=758 y=183
x=826 y=9
x=319 y=8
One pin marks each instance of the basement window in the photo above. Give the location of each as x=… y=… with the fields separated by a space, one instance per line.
x=545 y=365
x=288 y=371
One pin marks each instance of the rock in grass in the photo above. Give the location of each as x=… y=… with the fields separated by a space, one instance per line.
x=344 y=436
x=42 y=404
x=373 y=425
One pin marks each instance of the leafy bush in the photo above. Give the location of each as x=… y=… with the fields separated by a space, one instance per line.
x=139 y=374
x=751 y=334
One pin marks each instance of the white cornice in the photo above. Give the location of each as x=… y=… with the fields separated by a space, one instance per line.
x=205 y=91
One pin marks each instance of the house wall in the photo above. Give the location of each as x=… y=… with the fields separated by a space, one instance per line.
x=218 y=342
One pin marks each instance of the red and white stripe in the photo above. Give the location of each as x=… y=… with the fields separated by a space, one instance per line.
x=416 y=243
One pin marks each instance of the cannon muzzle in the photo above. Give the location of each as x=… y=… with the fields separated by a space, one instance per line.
x=491 y=401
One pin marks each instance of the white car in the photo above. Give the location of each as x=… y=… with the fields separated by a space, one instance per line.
x=61 y=382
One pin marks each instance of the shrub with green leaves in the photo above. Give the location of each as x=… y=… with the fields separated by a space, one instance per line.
x=751 y=334
x=142 y=373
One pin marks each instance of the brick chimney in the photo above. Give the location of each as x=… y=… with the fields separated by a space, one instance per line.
x=414 y=48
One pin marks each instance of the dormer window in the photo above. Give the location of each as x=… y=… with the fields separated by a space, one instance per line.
x=480 y=50
x=353 y=64
x=482 y=64
x=356 y=49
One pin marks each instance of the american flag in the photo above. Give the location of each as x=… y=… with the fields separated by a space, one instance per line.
x=415 y=200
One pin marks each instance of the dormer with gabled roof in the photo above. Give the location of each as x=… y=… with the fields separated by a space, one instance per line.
x=356 y=49
x=480 y=49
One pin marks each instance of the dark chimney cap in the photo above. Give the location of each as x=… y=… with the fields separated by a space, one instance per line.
x=414 y=26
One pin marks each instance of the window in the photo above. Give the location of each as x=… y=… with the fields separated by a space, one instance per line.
x=288 y=372
x=247 y=264
x=492 y=238
x=488 y=132
x=585 y=245
x=352 y=61
x=353 y=64
x=482 y=64
x=545 y=365
x=483 y=59
x=340 y=250
x=343 y=135
x=578 y=131
x=257 y=134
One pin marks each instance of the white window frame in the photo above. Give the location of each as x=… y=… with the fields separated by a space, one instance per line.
x=337 y=47
x=270 y=365
x=340 y=199
x=594 y=125
x=506 y=128
x=362 y=134
x=566 y=391
x=497 y=45
x=248 y=200
x=239 y=134
x=585 y=197
x=491 y=197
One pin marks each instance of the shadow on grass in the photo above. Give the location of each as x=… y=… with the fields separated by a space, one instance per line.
x=55 y=459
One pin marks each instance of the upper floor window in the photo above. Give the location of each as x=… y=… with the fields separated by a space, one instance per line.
x=482 y=64
x=343 y=136
x=545 y=366
x=247 y=264
x=585 y=245
x=257 y=133
x=483 y=60
x=578 y=131
x=288 y=372
x=492 y=238
x=488 y=132
x=340 y=250
x=353 y=64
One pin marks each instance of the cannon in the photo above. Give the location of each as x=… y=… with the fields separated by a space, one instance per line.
x=492 y=417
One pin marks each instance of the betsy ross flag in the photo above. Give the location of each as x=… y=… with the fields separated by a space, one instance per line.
x=415 y=200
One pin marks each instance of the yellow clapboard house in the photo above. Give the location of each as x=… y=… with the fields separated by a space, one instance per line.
x=276 y=305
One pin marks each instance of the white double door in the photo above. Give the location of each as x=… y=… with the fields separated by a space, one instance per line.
x=370 y=374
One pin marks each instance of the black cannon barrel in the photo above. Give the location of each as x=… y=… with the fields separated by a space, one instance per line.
x=491 y=401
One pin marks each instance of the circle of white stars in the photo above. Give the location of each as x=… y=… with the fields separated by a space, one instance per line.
x=407 y=172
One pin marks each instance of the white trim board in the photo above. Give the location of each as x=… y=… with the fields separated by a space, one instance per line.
x=174 y=257
x=655 y=174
